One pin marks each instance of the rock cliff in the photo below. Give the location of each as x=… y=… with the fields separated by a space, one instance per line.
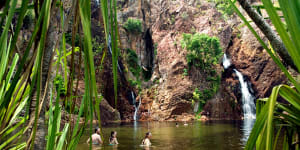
x=166 y=96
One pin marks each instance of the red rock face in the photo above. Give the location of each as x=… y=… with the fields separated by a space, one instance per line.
x=167 y=95
x=253 y=62
x=175 y=90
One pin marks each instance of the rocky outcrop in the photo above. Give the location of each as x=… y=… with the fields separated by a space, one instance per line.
x=167 y=95
x=174 y=91
x=254 y=62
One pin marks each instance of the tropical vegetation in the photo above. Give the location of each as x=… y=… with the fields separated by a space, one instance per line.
x=277 y=119
x=25 y=80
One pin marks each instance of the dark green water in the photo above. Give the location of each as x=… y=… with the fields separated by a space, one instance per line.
x=165 y=136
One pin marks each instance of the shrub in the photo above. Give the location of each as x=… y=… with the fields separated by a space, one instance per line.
x=132 y=61
x=224 y=7
x=133 y=25
x=97 y=46
x=69 y=38
x=203 y=51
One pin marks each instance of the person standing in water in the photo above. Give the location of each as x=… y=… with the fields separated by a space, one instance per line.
x=96 y=138
x=185 y=123
x=146 y=140
x=177 y=125
x=113 y=138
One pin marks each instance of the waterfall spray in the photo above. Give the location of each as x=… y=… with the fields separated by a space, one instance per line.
x=226 y=62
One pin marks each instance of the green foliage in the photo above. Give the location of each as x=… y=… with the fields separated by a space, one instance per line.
x=69 y=38
x=275 y=118
x=172 y=19
x=155 y=50
x=133 y=25
x=59 y=85
x=135 y=83
x=185 y=72
x=203 y=51
x=97 y=47
x=132 y=61
x=207 y=93
x=224 y=7
x=19 y=82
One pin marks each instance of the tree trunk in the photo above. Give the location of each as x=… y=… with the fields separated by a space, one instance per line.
x=271 y=35
x=51 y=39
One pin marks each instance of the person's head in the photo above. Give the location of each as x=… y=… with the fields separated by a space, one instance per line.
x=97 y=130
x=176 y=123
x=148 y=135
x=113 y=134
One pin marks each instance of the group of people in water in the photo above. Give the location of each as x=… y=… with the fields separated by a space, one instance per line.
x=96 y=138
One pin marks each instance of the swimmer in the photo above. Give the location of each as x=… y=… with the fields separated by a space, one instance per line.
x=146 y=140
x=113 y=138
x=185 y=124
x=96 y=138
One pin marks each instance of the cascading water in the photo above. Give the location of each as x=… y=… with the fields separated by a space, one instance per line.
x=97 y=2
x=247 y=98
x=247 y=101
x=135 y=116
x=226 y=62
x=110 y=51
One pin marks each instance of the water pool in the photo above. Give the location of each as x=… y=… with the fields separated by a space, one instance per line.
x=212 y=135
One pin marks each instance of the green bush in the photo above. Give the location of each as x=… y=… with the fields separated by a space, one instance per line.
x=132 y=61
x=224 y=7
x=69 y=38
x=133 y=25
x=97 y=46
x=203 y=51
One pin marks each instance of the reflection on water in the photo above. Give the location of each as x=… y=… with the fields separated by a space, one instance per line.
x=247 y=126
x=165 y=136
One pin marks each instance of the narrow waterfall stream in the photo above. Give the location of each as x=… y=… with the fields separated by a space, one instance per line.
x=249 y=110
x=110 y=51
x=247 y=98
x=136 y=107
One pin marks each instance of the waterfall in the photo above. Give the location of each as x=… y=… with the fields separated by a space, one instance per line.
x=248 y=107
x=247 y=101
x=247 y=98
x=135 y=116
x=110 y=51
x=226 y=62
x=97 y=2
